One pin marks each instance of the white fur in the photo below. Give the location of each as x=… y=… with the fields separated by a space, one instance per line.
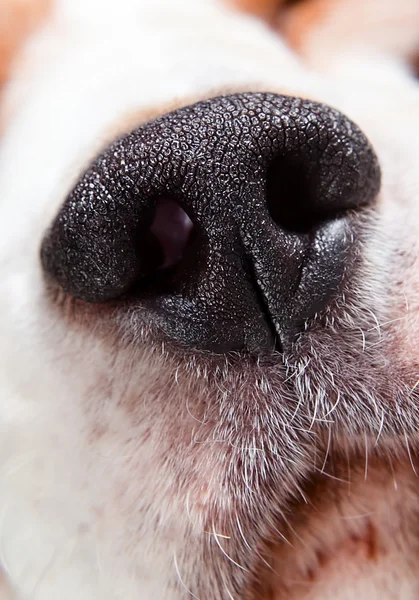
x=89 y=502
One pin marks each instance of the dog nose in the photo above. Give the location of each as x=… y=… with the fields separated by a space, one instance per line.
x=229 y=222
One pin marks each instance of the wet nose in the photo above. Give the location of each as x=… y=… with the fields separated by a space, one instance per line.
x=229 y=222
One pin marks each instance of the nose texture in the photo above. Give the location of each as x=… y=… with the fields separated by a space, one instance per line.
x=264 y=189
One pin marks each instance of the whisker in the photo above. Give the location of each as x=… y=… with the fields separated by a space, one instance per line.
x=366 y=459
x=284 y=538
x=363 y=338
x=362 y=516
x=410 y=454
x=395 y=485
x=180 y=578
x=329 y=438
x=333 y=407
x=334 y=477
x=381 y=427
x=380 y=325
x=377 y=326
x=190 y=413
x=414 y=387
x=229 y=594
x=316 y=407
x=227 y=555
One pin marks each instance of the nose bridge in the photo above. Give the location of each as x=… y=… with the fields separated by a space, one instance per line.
x=225 y=144
x=219 y=154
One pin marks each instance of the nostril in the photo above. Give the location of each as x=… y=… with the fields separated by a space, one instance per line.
x=290 y=196
x=170 y=233
x=293 y=199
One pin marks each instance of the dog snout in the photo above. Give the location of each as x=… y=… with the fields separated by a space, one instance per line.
x=229 y=222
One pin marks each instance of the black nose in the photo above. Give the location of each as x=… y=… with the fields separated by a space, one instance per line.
x=229 y=220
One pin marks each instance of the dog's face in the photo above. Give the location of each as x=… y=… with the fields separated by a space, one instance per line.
x=209 y=302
